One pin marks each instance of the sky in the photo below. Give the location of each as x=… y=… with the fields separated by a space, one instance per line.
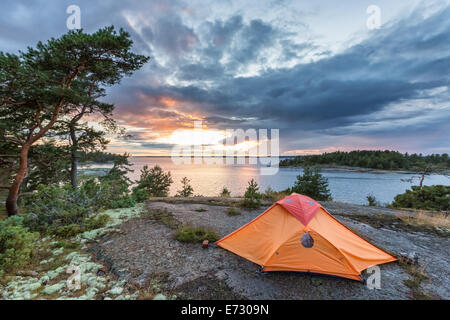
x=312 y=69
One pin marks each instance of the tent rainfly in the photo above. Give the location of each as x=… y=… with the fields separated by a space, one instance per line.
x=298 y=234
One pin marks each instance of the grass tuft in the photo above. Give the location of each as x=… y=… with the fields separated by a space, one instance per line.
x=418 y=275
x=233 y=211
x=196 y=234
x=162 y=216
x=428 y=219
x=432 y=223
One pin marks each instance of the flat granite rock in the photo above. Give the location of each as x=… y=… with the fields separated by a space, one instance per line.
x=145 y=248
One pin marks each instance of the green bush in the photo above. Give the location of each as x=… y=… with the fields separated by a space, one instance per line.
x=272 y=195
x=96 y=222
x=435 y=197
x=71 y=230
x=372 y=201
x=67 y=231
x=252 y=198
x=113 y=189
x=16 y=243
x=186 y=190
x=126 y=201
x=140 y=195
x=196 y=234
x=52 y=207
x=225 y=193
x=155 y=181
x=312 y=184
x=233 y=211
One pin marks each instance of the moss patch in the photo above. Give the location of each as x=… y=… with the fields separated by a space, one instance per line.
x=233 y=211
x=162 y=216
x=196 y=234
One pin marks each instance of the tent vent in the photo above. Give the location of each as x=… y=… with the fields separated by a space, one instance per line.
x=307 y=240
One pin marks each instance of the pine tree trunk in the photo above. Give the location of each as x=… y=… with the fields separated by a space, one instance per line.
x=74 y=158
x=11 y=202
x=74 y=170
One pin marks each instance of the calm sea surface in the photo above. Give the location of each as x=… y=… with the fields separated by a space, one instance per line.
x=208 y=180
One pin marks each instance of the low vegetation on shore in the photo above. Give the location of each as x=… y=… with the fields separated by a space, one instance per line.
x=435 y=198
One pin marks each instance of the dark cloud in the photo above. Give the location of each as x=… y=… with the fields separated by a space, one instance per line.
x=237 y=71
x=385 y=69
x=171 y=36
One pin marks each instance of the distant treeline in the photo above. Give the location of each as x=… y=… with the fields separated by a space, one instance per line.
x=385 y=160
x=98 y=156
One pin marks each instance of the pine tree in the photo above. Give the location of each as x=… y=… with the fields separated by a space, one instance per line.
x=252 y=196
x=155 y=181
x=187 y=189
x=312 y=184
x=42 y=85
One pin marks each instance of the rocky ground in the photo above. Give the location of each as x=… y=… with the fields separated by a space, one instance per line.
x=144 y=254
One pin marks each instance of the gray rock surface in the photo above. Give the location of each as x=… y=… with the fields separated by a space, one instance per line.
x=144 y=247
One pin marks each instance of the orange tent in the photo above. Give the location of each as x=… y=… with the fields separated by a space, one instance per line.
x=298 y=234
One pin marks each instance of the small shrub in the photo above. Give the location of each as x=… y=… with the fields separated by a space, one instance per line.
x=196 y=234
x=252 y=196
x=233 y=211
x=112 y=190
x=56 y=209
x=67 y=231
x=16 y=243
x=140 y=195
x=155 y=181
x=435 y=197
x=312 y=184
x=418 y=275
x=52 y=207
x=126 y=201
x=269 y=194
x=225 y=193
x=187 y=189
x=273 y=195
x=67 y=244
x=372 y=201
x=96 y=222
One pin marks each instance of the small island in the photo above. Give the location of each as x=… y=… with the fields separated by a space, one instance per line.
x=369 y=160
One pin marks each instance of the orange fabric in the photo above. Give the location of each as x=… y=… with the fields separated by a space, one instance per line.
x=274 y=241
x=360 y=253
x=259 y=239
